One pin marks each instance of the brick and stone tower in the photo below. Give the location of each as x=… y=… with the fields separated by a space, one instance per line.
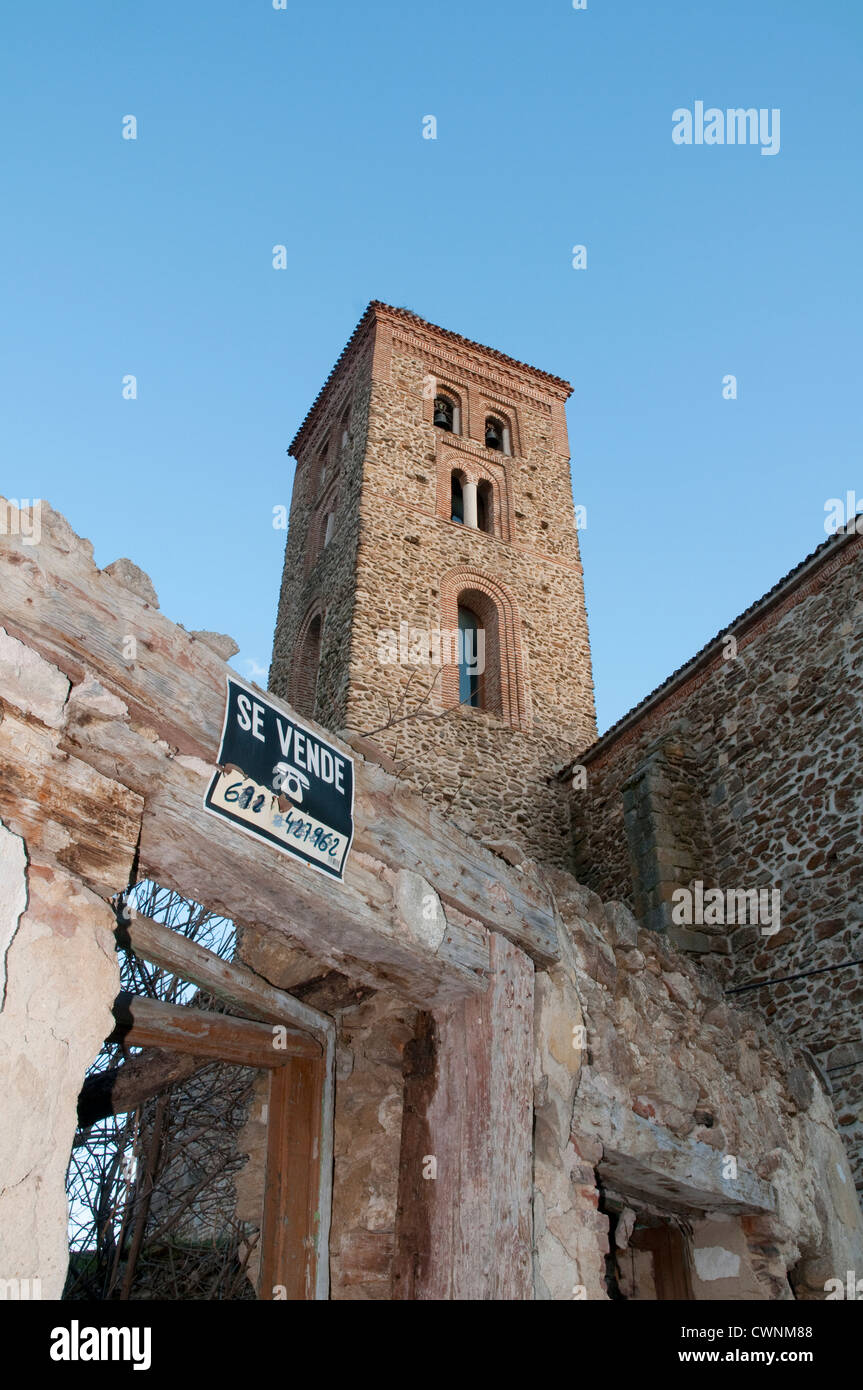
x=432 y=498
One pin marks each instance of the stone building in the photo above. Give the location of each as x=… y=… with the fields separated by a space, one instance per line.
x=433 y=477
x=416 y=426
x=744 y=772
x=504 y=1079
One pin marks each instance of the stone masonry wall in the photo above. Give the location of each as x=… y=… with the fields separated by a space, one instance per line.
x=653 y=1094
x=330 y=579
x=773 y=737
x=663 y=817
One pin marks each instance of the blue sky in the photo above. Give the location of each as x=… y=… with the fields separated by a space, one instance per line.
x=304 y=127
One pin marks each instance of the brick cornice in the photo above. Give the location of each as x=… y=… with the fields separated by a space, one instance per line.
x=475 y=366
x=471 y=356
x=354 y=348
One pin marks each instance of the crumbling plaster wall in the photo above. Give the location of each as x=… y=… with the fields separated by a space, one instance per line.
x=675 y=1100
x=61 y=977
x=59 y=968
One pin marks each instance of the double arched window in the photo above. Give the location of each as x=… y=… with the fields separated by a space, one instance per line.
x=471 y=504
x=497 y=432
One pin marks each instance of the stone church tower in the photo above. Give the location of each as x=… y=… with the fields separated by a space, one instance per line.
x=432 y=599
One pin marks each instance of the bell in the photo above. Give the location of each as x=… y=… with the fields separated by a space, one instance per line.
x=493 y=438
x=443 y=415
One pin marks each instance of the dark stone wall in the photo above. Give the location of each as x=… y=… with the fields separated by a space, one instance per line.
x=751 y=776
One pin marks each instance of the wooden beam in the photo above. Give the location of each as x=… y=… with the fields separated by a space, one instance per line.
x=63 y=808
x=143 y=1022
x=233 y=983
x=397 y=827
x=120 y=1089
x=291 y=1221
x=55 y=599
x=464 y=1229
x=355 y=927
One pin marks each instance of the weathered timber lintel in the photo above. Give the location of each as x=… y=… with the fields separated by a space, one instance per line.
x=153 y=725
x=230 y=981
x=123 y=1088
x=143 y=1022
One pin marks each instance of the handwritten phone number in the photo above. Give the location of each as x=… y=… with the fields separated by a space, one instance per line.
x=326 y=841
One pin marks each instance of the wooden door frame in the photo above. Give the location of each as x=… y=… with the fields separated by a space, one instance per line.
x=297 y=1209
x=669 y=1248
x=289 y=1245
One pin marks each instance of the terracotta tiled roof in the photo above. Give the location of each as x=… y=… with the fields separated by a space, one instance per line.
x=376 y=308
x=759 y=608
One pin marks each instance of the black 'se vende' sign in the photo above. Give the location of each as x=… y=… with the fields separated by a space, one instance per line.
x=280 y=781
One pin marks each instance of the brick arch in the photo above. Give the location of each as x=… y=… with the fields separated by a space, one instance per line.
x=314 y=539
x=306 y=661
x=503 y=684
x=508 y=416
x=458 y=394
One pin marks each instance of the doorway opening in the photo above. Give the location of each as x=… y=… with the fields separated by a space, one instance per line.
x=195 y=1059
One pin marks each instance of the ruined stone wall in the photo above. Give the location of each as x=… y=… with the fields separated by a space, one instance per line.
x=772 y=742
x=655 y=1095
x=647 y=1080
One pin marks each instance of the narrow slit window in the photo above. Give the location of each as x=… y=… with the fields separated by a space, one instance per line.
x=456 y=499
x=469 y=664
x=484 y=508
